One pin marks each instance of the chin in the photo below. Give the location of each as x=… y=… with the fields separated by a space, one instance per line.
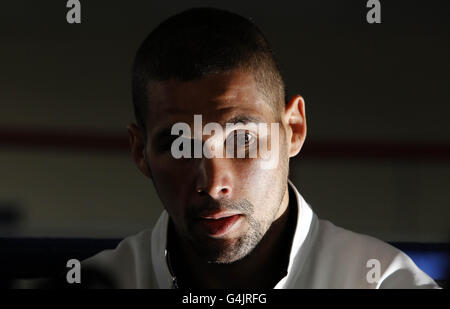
x=224 y=251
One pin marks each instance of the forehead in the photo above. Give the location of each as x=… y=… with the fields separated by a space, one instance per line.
x=217 y=98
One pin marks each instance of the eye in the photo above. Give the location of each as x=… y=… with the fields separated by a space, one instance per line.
x=164 y=144
x=247 y=138
x=243 y=138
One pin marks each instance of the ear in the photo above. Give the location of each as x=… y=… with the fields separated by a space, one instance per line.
x=138 y=149
x=294 y=121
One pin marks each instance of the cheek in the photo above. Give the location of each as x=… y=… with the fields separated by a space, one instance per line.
x=260 y=186
x=249 y=174
x=170 y=181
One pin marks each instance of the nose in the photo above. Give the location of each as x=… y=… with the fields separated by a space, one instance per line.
x=215 y=178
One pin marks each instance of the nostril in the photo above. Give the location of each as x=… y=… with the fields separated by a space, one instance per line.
x=217 y=191
x=225 y=190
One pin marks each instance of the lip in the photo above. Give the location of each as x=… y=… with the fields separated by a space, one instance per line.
x=217 y=215
x=219 y=224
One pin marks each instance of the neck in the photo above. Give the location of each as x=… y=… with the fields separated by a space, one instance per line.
x=262 y=268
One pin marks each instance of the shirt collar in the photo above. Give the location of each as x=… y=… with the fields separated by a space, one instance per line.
x=305 y=221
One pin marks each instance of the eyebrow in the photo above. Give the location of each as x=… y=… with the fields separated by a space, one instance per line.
x=244 y=119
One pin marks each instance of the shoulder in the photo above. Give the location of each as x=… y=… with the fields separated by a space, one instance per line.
x=356 y=260
x=123 y=266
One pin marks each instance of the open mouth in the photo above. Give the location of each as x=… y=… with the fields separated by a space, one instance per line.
x=217 y=226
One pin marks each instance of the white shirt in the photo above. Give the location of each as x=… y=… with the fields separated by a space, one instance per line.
x=322 y=256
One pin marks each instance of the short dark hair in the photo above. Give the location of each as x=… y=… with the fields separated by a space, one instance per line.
x=200 y=42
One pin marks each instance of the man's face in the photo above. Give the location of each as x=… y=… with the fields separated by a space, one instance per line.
x=220 y=207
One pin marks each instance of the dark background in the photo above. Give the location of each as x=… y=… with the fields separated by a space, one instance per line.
x=377 y=155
